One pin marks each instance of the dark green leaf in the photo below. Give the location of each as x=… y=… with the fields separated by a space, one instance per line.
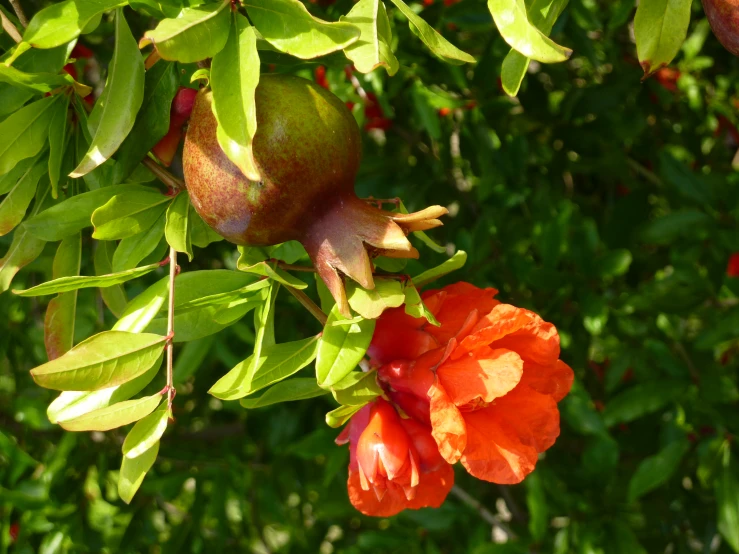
x=129 y=213
x=656 y=470
x=60 y=313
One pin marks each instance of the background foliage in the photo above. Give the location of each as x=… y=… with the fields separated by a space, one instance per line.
x=606 y=204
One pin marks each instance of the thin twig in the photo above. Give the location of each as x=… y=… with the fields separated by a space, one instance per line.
x=485 y=514
x=644 y=172
x=163 y=175
x=170 y=328
x=688 y=362
x=10 y=28
x=309 y=305
x=291 y=267
x=516 y=512
x=19 y=12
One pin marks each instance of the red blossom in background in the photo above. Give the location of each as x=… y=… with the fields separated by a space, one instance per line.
x=484 y=384
x=179 y=113
x=732 y=269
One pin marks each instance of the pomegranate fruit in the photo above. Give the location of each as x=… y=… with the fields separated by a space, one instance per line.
x=307 y=148
x=723 y=15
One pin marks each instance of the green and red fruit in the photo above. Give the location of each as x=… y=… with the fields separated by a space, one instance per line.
x=723 y=15
x=307 y=149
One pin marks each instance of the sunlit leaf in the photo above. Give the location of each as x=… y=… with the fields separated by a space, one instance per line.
x=341 y=348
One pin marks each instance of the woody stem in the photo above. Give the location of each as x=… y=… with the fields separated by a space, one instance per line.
x=308 y=304
x=163 y=175
x=19 y=12
x=170 y=327
x=485 y=514
x=10 y=28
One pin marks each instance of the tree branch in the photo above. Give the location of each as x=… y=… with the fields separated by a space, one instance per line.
x=308 y=304
x=173 y=270
x=10 y=28
x=486 y=515
x=19 y=12
x=163 y=175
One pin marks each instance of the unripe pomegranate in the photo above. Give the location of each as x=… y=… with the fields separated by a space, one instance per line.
x=723 y=15
x=307 y=149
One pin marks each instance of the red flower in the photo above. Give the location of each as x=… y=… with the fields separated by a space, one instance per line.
x=732 y=269
x=487 y=380
x=375 y=117
x=320 y=76
x=394 y=463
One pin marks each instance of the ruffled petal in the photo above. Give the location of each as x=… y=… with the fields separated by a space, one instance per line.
x=398 y=342
x=486 y=374
x=431 y=491
x=460 y=300
x=503 y=320
x=494 y=450
x=447 y=425
x=533 y=416
x=554 y=380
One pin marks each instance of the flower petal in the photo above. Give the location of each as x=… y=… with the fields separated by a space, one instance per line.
x=447 y=425
x=431 y=491
x=533 y=416
x=486 y=374
x=459 y=301
x=554 y=380
x=398 y=342
x=494 y=451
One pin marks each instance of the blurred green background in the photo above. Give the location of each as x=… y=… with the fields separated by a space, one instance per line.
x=606 y=204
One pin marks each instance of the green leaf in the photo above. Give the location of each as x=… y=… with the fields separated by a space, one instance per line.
x=536 y=502
x=232 y=296
x=514 y=26
x=234 y=106
x=269 y=270
x=452 y=264
x=34 y=61
x=177 y=229
x=415 y=307
x=64 y=284
x=287 y=25
x=133 y=471
x=726 y=487
x=114 y=297
x=614 y=263
x=275 y=363
x=641 y=400
x=72 y=215
x=357 y=389
x=146 y=432
x=339 y=416
x=152 y=122
x=656 y=470
x=542 y=14
x=439 y=46
x=289 y=390
x=665 y=229
x=341 y=348
x=60 y=313
x=104 y=360
x=13 y=207
x=22 y=251
x=388 y=293
x=40 y=82
x=201 y=235
x=57 y=144
x=132 y=250
x=25 y=132
x=114 y=416
x=204 y=321
x=129 y=213
x=73 y=404
x=114 y=113
x=372 y=49
x=60 y=23
x=660 y=27
x=195 y=34
x=140 y=311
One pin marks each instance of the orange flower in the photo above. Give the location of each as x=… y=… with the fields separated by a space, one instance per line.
x=487 y=380
x=394 y=463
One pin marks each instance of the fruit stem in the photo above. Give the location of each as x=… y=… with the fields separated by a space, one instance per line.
x=170 y=327
x=291 y=267
x=10 y=28
x=309 y=305
x=163 y=175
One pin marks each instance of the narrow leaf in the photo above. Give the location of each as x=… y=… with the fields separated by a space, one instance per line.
x=439 y=46
x=115 y=111
x=129 y=213
x=195 y=34
x=25 y=132
x=234 y=76
x=514 y=26
x=177 y=228
x=132 y=250
x=112 y=417
x=64 y=284
x=357 y=389
x=727 y=501
x=22 y=251
x=13 y=207
x=656 y=470
x=289 y=390
x=104 y=360
x=133 y=471
x=660 y=28
x=61 y=311
x=287 y=25
x=57 y=145
x=41 y=82
x=339 y=416
x=341 y=348
x=454 y=263
x=114 y=297
x=146 y=432
x=270 y=270
x=144 y=308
